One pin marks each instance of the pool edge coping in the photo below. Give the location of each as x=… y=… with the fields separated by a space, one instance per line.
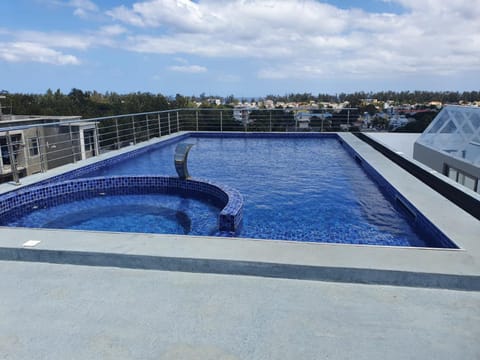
x=252 y=257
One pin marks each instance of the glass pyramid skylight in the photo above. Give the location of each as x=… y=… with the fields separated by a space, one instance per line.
x=456 y=131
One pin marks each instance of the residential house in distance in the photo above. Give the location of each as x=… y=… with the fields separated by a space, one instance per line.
x=397 y=121
x=302 y=120
x=241 y=113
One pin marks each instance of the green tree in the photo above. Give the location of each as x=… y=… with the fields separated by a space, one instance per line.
x=421 y=122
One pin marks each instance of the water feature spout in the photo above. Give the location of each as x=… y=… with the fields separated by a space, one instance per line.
x=180 y=159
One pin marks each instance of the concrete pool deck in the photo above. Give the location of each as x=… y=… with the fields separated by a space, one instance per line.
x=50 y=311
x=437 y=268
x=234 y=298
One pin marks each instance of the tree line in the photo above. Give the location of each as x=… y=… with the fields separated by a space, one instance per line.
x=399 y=97
x=90 y=104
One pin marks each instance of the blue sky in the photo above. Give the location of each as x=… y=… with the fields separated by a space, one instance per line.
x=241 y=47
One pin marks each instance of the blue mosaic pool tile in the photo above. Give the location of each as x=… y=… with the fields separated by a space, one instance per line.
x=417 y=219
x=16 y=204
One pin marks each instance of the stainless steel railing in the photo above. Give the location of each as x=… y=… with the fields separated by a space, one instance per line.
x=43 y=144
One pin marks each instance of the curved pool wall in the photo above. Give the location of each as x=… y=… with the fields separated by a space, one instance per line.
x=397 y=199
x=23 y=201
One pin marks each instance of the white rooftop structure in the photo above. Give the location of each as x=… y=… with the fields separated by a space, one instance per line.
x=451 y=145
x=455 y=131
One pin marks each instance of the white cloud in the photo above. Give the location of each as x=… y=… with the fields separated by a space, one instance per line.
x=104 y=36
x=183 y=15
x=83 y=8
x=86 y=5
x=32 y=52
x=126 y=16
x=49 y=47
x=191 y=69
x=55 y=40
x=181 y=60
x=311 y=39
x=236 y=17
x=112 y=30
x=284 y=39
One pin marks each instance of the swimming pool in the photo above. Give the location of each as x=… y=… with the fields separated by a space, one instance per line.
x=300 y=188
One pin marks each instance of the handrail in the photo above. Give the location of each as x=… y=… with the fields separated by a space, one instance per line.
x=42 y=146
x=13 y=160
x=112 y=117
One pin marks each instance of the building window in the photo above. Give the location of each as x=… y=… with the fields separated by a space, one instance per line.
x=16 y=143
x=462 y=178
x=4 y=151
x=452 y=174
x=89 y=139
x=469 y=182
x=33 y=148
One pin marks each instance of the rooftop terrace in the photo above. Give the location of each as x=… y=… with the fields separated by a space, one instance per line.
x=83 y=294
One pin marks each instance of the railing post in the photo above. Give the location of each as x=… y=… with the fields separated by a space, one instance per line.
x=148 y=130
x=221 y=121
x=196 y=119
x=133 y=127
x=13 y=160
x=270 y=113
x=169 y=126
x=178 y=122
x=40 y=147
x=71 y=143
x=97 y=140
x=118 y=133
x=159 y=126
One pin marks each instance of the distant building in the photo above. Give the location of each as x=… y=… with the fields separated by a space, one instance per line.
x=397 y=121
x=302 y=120
x=241 y=113
x=437 y=104
x=214 y=101
x=269 y=104
x=451 y=145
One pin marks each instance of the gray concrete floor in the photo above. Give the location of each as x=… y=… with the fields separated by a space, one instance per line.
x=397 y=141
x=50 y=311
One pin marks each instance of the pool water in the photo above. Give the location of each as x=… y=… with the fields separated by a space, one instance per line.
x=152 y=213
x=302 y=189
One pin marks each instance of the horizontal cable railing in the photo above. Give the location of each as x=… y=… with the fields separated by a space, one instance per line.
x=34 y=148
